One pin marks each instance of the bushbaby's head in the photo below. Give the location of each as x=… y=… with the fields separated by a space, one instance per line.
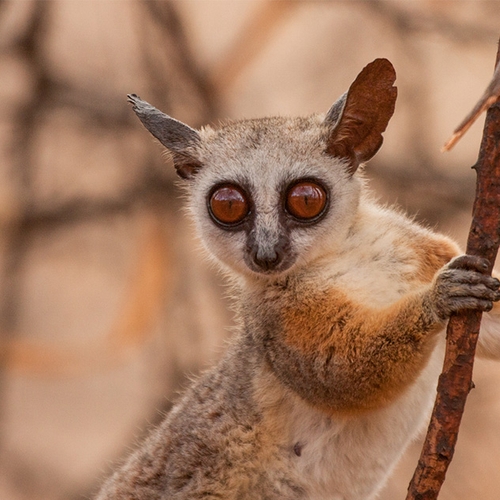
x=268 y=195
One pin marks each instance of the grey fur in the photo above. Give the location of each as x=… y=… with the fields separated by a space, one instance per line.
x=335 y=112
x=332 y=369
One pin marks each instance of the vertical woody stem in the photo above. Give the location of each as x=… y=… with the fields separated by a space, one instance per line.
x=455 y=381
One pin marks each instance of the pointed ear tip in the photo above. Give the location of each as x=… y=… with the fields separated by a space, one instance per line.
x=134 y=100
x=138 y=105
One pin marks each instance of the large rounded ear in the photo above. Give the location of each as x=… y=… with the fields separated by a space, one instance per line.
x=358 y=119
x=178 y=138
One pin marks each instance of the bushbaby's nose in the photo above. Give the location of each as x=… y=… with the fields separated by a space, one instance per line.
x=267 y=247
x=268 y=260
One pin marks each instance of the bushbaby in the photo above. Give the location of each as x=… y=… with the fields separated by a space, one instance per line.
x=342 y=307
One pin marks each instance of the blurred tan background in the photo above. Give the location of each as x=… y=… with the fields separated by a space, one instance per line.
x=106 y=306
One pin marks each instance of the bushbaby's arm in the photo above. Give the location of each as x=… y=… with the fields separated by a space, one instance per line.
x=344 y=356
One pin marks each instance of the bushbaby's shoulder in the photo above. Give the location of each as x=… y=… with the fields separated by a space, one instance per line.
x=385 y=255
x=411 y=244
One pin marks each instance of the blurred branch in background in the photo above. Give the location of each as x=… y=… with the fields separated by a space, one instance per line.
x=49 y=93
x=28 y=46
x=175 y=79
x=130 y=329
x=181 y=59
x=29 y=218
x=251 y=41
x=434 y=21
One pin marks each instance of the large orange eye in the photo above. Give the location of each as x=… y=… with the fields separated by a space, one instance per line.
x=229 y=204
x=305 y=200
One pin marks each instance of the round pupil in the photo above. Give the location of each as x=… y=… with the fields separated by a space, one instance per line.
x=229 y=204
x=306 y=200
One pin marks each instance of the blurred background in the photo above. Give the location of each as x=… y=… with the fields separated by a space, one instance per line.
x=107 y=308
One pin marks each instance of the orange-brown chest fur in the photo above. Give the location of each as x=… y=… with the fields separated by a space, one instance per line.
x=355 y=316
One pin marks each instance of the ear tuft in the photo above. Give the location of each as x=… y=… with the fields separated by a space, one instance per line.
x=358 y=119
x=180 y=139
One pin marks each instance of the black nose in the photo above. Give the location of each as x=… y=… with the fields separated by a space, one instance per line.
x=267 y=261
x=265 y=252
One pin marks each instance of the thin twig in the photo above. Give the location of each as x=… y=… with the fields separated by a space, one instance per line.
x=491 y=96
x=455 y=381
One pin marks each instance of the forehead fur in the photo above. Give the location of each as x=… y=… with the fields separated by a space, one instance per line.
x=267 y=147
x=297 y=136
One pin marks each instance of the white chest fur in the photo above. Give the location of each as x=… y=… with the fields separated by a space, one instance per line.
x=350 y=458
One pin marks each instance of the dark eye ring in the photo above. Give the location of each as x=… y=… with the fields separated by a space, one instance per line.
x=306 y=200
x=228 y=204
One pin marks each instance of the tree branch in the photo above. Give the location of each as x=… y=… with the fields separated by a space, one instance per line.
x=455 y=381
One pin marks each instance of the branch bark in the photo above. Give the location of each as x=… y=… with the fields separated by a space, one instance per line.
x=455 y=381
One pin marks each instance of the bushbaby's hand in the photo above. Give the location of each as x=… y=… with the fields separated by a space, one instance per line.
x=462 y=284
